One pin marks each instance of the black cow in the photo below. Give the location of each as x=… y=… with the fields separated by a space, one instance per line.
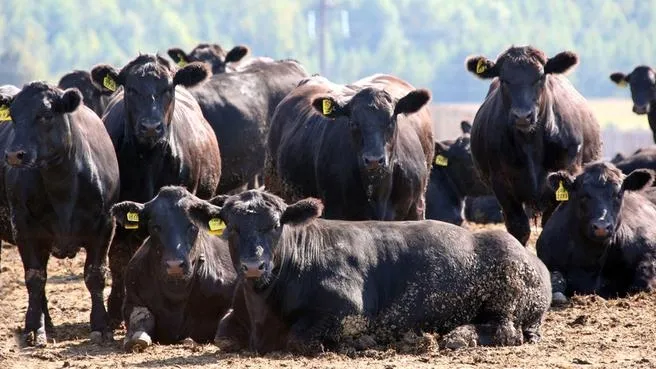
x=643 y=91
x=180 y=282
x=239 y=106
x=532 y=123
x=94 y=97
x=452 y=178
x=160 y=138
x=643 y=158
x=603 y=239
x=6 y=135
x=483 y=210
x=365 y=149
x=212 y=54
x=310 y=283
x=62 y=182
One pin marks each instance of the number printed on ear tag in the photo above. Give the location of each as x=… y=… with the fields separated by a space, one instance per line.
x=561 y=193
x=216 y=226
x=441 y=160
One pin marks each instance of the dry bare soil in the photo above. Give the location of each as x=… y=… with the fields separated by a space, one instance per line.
x=589 y=333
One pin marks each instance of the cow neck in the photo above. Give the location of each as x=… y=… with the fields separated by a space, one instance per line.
x=377 y=189
x=61 y=180
x=450 y=185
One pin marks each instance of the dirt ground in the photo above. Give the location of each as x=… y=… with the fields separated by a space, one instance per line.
x=589 y=333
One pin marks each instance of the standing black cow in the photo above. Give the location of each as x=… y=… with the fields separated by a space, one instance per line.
x=532 y=122
x=365 y=149
x=239 y=106
x=160 y=138
x=603 y=239
x=311 y=282
x=94 y=97
x=180 y=282
x=212 y=54
x=452 y=178
x=643 y=92
x=62 y=182
x=6 y=135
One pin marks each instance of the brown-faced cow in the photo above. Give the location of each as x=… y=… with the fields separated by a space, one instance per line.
x=365 y=149
x=603 y=239
x=212 y=54
x=642 y=81
x=161 y=138
x=532 y=122
x=310 y=283
x=180 y=282
x=63 y=179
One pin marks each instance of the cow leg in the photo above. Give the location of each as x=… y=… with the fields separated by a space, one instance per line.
x=35 y=261
x=517 y=222
x=118 y=261
x=502 y=333
x=95 y=270
x=309 y=333
x=232 y=334
x=141 y=325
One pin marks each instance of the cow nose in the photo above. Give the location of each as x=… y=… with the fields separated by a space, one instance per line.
x=175 y=267
x=253 y=268
x=150 y=128
x=14 y=157
x=601 y=229
x=640 y=109
x=373 y=162
x=521 y=116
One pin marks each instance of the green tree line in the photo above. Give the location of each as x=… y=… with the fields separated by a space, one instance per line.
x=423 y=41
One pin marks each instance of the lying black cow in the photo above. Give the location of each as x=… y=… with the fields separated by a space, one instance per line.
x=212 y=54
x=239 y=106
x=603 y=239
x=643 y=158
x=62 y=182
x=313 y=282
x=452 y=178
x=532 y=122
x=160 y=138
x=365 y=149
x=94 y=97
x=181 y=281
x=643 y=91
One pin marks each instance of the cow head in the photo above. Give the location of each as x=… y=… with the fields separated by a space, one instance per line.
x=94 y=97
x=254 y=224
x=522 y=74
x=455 y=159
x=42 y=127
x=596 y=196
x=211 y=54
x=372 y=117
x=174 y=233
x=643 y=87
x=149 y=92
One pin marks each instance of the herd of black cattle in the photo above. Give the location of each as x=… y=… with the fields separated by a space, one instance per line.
x=158 y=167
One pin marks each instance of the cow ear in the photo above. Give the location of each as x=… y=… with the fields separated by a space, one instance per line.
x=302 y=212
x=191 y=74
x=219 y=200
x=412 y=102
x=5 y=103
x=620 y=79
x=128 y=214
x=465 y=126
x=555 y=179
x=178 y=56
x=561 y=63
x=638 y=180
x=67 y=102
x=329 y=107
x=105 y=77
x=482 y=67
x=441 y=147
x=236 y=54
x=202 y=212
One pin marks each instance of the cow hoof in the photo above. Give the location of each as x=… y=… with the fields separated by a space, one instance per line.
x=96 y=337
x=558 y=299
x=227 y=344
x=35 y=338
x=461 y=337
x=138 y=342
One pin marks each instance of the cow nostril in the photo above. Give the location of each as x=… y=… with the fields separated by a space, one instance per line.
x=20 y=155
x=244 y=268
x=381 y=161
x=261 y=267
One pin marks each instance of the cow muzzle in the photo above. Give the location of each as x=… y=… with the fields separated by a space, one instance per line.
x=15 y=158
x=523 y=120
x=253 y=268
x=641 y=109
x=175 y=268
x=601 y=229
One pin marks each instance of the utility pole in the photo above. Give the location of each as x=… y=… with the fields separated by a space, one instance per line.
x=322 y=36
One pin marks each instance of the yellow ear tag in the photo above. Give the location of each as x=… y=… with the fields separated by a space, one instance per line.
x=327 y=106
x=133 y=221
x=623 y=83
x=181 y=61
x=480 y=66
x=441 y=160
x=109 y=83
x=216 y=226
x=4 y=113
x=561 y=193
